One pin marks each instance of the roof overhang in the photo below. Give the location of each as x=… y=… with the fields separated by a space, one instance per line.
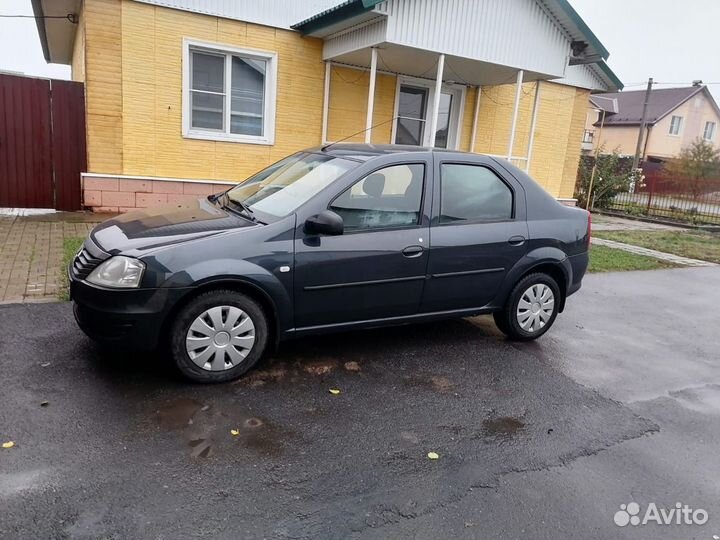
x=57 y=35
x=339 y=17
x=580 y=33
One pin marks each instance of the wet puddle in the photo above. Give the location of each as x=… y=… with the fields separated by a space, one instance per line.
x=437 y=383
x=179 y=413
x=206 y=430
x=502 y=426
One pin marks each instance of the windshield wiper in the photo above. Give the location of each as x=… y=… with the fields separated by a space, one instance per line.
x=244 y=208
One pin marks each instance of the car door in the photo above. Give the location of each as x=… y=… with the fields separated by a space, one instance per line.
x=376 y=268
x=478 y=232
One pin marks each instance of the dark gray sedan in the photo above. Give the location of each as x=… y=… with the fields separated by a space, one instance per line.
x=337 y=237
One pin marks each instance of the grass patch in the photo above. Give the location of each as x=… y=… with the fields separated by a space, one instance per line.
x=693 y=244
x=605 y=259
x=71 y=246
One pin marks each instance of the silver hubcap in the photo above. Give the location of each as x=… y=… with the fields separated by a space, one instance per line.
x=220 y=338
x=536 y=307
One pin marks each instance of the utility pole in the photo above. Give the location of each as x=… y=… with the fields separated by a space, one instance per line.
x=643 y=124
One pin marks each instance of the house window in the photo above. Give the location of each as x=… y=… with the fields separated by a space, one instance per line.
x=709 y=133
x=675 y=125
x=229 y=93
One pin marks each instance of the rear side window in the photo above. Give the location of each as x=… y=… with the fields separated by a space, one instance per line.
x=473 y=192
x=389 y=197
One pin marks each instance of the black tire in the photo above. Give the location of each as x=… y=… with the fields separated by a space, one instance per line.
x=506 y=319
x=196 y=307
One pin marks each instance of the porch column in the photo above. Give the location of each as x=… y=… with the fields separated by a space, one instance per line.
x=371 y=95
x=518 y=90
x=475 y=118
x=532 y=126
x=326 y=102
x=436 y=99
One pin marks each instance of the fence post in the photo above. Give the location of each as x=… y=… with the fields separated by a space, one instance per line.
x=650 y=182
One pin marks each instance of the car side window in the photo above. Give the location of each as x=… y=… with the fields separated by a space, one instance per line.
x=473 y=192
x=389 y=197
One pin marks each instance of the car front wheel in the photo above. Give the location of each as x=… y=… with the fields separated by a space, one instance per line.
x=531 y=308
x=218 y=336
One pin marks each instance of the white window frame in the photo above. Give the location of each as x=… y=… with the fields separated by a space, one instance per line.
x=680 y=126
x=269 y=106
x=714 y=130
x=456 y=123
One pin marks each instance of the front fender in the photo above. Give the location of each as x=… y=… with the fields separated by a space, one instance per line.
x=276 y=287
x=533 y=259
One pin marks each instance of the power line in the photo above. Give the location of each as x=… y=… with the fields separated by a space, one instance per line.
x=72 y=17
x=674 y=83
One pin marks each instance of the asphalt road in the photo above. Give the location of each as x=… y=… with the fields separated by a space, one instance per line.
x=619 y=403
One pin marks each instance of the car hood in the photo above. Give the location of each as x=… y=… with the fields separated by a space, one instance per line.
x=165 y=225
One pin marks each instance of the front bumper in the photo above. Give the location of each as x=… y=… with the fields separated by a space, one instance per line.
x=133 y=318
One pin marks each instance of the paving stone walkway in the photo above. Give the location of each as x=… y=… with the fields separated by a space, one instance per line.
x=669 y=257
x=31 y=252
x=602 y=222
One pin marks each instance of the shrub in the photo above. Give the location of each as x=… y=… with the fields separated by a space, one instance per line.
x=613 y=176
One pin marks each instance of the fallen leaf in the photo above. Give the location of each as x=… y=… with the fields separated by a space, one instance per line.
x=334 y=391
x=8 y=444
x=234 y=432
x=44 y=403
x=433 y=455
x=45 y=364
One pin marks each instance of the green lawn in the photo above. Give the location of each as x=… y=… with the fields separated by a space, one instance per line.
x=693 y=244
x=605 y=259
x=70 y=248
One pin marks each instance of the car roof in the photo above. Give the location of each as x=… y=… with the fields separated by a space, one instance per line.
x=365 y=152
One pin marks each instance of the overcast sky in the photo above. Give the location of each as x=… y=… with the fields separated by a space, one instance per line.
x=674 y=41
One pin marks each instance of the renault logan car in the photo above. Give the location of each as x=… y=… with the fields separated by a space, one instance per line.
x=332 y=238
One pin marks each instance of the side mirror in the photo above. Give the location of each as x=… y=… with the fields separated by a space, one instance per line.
x=326 y=222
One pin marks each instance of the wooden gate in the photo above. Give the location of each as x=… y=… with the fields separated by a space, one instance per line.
x=42 y=142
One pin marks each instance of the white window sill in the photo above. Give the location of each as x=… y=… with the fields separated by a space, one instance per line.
x=225 y=137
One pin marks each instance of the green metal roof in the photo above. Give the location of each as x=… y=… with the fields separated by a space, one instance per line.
x=336 y=14
x=610 y=74
x=588 y=34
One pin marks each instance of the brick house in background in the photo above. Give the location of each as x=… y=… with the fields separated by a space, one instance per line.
x=184 y=97
x=675 y=118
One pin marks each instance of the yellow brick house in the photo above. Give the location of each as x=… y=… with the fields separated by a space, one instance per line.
x=186 y=96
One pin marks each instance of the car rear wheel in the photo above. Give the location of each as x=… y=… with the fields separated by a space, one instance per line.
x=218 y=336
x=531 y=308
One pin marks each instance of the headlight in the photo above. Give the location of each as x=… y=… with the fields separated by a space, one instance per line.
x=118 y=272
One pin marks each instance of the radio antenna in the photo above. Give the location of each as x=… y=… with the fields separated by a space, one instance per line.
x=358 y=133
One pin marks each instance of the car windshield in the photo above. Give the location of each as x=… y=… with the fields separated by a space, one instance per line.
x=281 y=188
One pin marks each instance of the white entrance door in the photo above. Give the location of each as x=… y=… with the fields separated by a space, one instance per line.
x=413 y=110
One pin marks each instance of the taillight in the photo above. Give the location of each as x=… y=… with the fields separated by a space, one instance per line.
x=589 y=234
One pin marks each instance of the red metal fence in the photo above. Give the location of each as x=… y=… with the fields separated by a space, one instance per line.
x=42 y=142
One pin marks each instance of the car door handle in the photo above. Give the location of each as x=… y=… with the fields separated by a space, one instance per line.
x=516 y=240
x=412 y=251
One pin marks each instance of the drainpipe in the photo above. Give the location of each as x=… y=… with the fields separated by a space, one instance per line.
x=536 y=104
x=475 y=118
x=326 y=102
x=436 y=98
x=371 y=95
x=518 y=89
